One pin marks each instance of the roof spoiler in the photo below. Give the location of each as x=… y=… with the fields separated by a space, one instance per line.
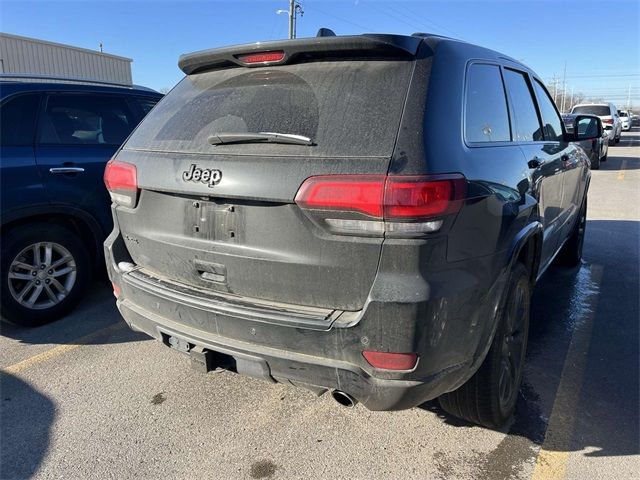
x=383 y=45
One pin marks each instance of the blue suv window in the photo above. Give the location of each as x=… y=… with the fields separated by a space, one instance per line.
x=18 y=120
x=486 y=117
x=86 y=119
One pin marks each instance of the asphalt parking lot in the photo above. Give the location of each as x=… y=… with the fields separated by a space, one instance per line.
x=87 y=398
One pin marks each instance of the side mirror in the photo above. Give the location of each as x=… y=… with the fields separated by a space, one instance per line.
x=586 y=128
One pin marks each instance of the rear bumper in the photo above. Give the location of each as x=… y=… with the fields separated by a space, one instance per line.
x=450 y=337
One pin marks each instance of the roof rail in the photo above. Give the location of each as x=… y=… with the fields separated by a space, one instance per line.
x=54 y=78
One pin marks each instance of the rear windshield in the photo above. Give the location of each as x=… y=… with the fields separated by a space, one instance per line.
x=623 y=114
x=599 y=110
x=347 y=108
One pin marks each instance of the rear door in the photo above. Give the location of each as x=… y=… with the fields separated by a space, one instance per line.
x=223 y=217
x=78 y=134
x=21 y=182
x=544 y=158
x=572 y=159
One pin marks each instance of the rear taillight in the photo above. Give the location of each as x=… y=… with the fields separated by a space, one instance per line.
x=121 y=180
x=383 y=204
x=390 y=361
x=262 y=58
x=116 y=290
x=608 y=120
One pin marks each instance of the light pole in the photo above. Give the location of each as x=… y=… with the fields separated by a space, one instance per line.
x=294 y=9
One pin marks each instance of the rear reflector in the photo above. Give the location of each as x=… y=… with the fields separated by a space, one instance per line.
x=262 y=57
x=121 y=180
x=388 y=198
x=390 y=361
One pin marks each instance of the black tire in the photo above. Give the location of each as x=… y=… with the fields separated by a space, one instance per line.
x=604 y=159
x=595 y=165
x=489 y=397
x=571 y=253
x=72 y=275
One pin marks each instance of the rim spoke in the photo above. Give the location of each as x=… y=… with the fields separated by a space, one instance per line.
x=48 y=253
x=23 y=266
x=36 y=255
x=25 y=290
x=52 y=296
x=20 y=276
x=34 y=296
x=59 y=286
x=63 y=271
x=61 y=261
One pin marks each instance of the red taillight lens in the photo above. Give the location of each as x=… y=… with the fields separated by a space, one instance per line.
x=116 y=290
x=356 y=193
x=390 y=361
x=121 y=180
x=262 y=57
x=382 y=196
x=420 y=197
x=609 y=121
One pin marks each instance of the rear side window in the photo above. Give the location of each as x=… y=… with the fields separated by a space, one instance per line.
x=599 y=110
x=550 y=119
x=86 y=119
x=18 y=120
x=347 y=108
x=486 y=116
x=527 y=126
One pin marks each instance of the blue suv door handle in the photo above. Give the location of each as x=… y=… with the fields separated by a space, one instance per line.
x=66 y=170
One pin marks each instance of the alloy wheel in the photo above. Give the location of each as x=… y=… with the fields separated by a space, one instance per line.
x=42 y=275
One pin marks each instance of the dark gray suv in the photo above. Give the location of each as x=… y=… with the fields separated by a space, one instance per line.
x=295 y=211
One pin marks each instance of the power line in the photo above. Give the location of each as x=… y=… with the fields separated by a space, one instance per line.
x=344 y=20
x=422 y=20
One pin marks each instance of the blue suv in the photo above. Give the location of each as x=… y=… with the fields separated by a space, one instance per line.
x=55 y=139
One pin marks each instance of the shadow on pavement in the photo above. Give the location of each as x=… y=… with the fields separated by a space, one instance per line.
x=96 y=312
x=606 y=416
x=27 y=416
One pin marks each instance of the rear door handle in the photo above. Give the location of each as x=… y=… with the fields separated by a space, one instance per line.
x=66 y=170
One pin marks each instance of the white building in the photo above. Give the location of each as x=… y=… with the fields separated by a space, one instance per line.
x=29 y=56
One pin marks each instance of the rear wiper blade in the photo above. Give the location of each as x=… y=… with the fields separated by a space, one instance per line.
x=260 y=137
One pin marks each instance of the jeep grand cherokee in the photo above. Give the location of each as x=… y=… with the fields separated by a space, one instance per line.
x=287 y=212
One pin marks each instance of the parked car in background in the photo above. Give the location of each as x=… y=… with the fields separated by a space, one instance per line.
x=635 y=120
x=286 y=212
x=596 y=148
x=608 y=113
x=57 y=135
x=625 y=119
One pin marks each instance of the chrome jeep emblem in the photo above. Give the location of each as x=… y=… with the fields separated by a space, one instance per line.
x=208 y=176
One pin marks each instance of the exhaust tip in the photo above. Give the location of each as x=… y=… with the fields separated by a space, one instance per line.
x=343 y=398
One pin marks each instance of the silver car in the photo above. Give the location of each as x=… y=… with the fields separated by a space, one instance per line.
x=608 y=113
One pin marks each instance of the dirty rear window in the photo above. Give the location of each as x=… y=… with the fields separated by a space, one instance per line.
x=348 y=108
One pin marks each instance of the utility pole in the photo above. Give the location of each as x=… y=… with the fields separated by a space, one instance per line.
x=564 y=86
x=571 y=102
x=629 y=98
x=294 y=9
x=555 y=89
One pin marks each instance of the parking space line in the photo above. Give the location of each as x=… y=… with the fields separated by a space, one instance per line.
x=551 y=463
x=623 y=167
x=60 y=349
